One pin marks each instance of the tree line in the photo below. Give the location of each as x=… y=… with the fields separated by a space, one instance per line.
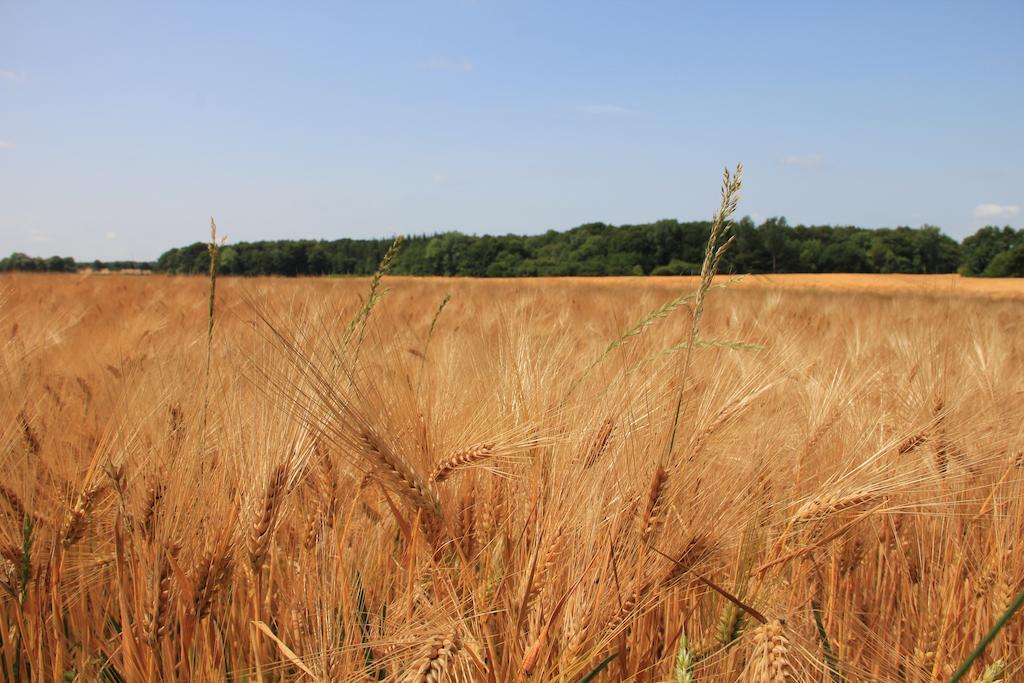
x=65 y=264
x=667 y=247
x=54 y=264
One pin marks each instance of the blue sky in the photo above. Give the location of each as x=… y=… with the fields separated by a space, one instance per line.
x=124 y=126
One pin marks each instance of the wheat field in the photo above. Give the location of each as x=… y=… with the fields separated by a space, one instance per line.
x=339 y=483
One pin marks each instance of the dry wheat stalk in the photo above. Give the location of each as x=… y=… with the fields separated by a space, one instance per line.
x=654 y=504
x=626 y=607
x=822 y=430
x=485 y=521
x=157 y=616
x=266 y=515
x=314 y=526
x=695 y=550
x=577 y=635
x=769 y=659
x=28 y=434
x=11 y=558
x=830 y=504
x=14 y=501
x=209 y=578
x=78 y=518
x=328 y=482
x=547 y=566
x=467 y=520
x=599 y=444
x=406 y=480
x=437 y=658
x=941 y=442
x=463 y=458
x=533 y=653
x=154 y=493
x=911 y=443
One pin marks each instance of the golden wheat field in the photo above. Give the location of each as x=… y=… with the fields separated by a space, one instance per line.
x=347 y=485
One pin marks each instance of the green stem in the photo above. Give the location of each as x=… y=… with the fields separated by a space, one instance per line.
x=830 y=657
x=214 y=250
x=598 y=669
x=989 y=637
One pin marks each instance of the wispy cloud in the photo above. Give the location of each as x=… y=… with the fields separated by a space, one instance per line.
x=996 y=210
x=4 y=144
x=35 y=236
x=447 y=64
x=803 y=160
x=11 y=76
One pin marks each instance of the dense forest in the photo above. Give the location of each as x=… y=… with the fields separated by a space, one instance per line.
x=666 y=247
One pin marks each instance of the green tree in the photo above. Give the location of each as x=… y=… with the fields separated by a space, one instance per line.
x=981 y=248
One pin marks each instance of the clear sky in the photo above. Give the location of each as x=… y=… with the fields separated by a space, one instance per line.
x=124 y=126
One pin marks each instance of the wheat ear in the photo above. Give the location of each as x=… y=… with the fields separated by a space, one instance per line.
x=463 y=458
x=263 y=528
x=437 y=658
x=769 y=661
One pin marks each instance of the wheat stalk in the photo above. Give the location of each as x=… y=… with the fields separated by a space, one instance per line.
x=266 y=515
x=436 y=660
x=463 y=458
x=770 y=657
x=405 y=479
x=599 y=443
x=209 y=578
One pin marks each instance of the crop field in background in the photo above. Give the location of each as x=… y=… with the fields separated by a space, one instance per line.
x=468 y=480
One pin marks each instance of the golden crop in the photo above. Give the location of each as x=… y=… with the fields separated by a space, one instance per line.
x=468 y=495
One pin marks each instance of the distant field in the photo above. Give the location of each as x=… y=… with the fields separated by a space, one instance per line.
x=489 y=492
x=935 y=284
x=938 y=284
x=853 y=282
